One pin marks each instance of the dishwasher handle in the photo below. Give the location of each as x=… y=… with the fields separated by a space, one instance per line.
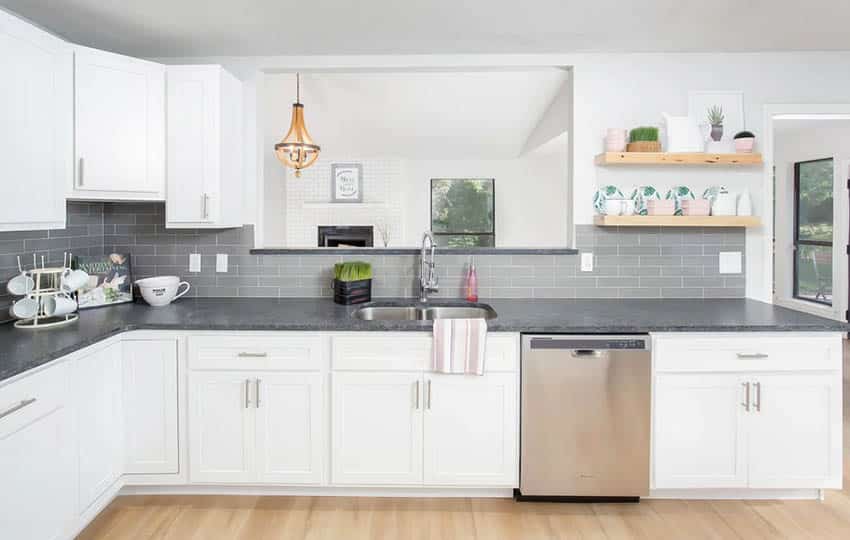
x=590 y=345
x=585 y=353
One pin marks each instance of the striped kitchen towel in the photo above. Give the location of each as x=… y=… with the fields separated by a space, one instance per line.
x=459 y=346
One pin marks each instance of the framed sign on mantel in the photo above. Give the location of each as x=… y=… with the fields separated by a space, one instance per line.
x=346 y=182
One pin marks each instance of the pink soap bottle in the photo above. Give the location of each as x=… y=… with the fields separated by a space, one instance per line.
x=471 y=282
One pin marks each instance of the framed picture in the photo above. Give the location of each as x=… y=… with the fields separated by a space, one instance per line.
x=110 y=280
x=730 y=103
x=346 y=183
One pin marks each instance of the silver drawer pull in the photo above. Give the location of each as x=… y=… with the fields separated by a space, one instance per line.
x=252 y=355
x=18 y=407
x=751 y=355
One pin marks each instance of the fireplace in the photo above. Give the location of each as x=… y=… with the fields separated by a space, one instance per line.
x=345 y=236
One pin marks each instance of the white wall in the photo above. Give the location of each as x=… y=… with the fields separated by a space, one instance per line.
x=627 y=90
x=805 y=141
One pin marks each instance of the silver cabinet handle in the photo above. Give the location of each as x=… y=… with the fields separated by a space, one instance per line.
x=252 y=355
x=417 y=395
x=15 y=408
x=428 y=392
x=206 y=199
x=80 y=172
x=746 y=403
x=751 y=355
x=257 y=395
x=247 y=393
x=758 y=396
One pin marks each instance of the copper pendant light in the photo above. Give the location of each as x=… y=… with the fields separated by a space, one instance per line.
x=297 y=149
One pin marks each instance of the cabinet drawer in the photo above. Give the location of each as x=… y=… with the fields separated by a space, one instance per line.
x=26 y=400
x=747 y=352
x=382 y=351
x=402 y=352
x=296 y=352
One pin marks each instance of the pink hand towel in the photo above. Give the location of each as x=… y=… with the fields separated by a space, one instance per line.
x=459 y=346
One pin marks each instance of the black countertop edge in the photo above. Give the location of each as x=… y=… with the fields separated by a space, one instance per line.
x=414 y=251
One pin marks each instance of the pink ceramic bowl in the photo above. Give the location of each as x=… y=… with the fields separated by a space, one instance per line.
x=696 y=207
x=745 y=145
x=663 y=207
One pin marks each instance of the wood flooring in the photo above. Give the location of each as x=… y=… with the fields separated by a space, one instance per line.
x=342 y=518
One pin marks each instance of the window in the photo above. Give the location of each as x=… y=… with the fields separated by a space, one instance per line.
x=463 y=212
x=813 y=230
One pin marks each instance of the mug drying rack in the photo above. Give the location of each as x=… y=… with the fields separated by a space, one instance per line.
x=46 y=283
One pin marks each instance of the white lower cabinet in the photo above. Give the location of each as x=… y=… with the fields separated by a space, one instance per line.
x=38 y=472
x=773 y=420
x=149 y=372
x=255 y=427
x=97 y=387
x=221 y=427
x=377 y=428
x=471 y=430
x=795 y=433
x=699 y=436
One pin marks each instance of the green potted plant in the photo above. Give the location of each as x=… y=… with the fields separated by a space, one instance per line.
x=715 y=118
x=744 y=142
x=352 y=282
x=643 y=139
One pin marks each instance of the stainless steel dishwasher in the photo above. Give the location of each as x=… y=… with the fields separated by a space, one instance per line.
x=585 y=417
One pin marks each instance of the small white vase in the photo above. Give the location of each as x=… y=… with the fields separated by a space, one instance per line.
x=745 y=204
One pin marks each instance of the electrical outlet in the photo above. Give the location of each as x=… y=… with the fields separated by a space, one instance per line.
x=194 y=262
x=587 y=262
x=730 y=262
x=221 y=262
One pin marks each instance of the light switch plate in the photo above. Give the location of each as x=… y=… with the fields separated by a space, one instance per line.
x=194 y=262
x=221 y=262
x=587 y=262
x=730 y=262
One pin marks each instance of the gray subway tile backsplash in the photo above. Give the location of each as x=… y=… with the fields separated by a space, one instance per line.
x=629 y=263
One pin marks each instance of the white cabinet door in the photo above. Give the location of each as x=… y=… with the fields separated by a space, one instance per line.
x=290 y=427
x=38 y=471
x=97 y=384
x=36 y=130
x=471 y=426
x=699 y=431
x=795 y=431
x=221 y=427
x=204 y=147
x=377 y=428
x=150 y=406
x=119 y=126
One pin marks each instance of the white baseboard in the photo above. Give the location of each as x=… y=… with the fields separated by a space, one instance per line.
x=318 y=491
x=740 y=494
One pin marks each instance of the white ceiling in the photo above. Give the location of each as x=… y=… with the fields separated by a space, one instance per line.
x=417 y=115
x=162 y=28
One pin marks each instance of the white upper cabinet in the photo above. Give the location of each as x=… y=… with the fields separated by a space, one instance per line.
x=119 y=105
x=36 y=126
x=204 y=148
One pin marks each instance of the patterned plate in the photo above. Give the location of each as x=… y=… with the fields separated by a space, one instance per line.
x=640 y=195
x=604 y=193
x=677 y=193
x=711 y=192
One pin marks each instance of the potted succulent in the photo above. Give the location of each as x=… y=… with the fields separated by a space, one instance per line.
x=744 y=142
x=715 y=118
x=643 y=139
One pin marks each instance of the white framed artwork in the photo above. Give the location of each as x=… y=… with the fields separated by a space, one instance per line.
x=346 y=182
x=731 y=104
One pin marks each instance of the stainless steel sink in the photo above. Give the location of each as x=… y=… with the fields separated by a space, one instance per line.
x=423 y=313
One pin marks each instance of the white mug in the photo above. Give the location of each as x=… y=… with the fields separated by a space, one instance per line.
x=20 y=285
x=73 y=280
x=613 y=207
x=25 y=308
x=55 y=306
x=162 y=290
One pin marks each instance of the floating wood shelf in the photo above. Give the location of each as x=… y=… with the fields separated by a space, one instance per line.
x=676 y=221
x=665 y=158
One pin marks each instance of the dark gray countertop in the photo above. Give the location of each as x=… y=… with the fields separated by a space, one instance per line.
x=21 y=350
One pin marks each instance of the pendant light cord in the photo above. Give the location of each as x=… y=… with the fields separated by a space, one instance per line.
x=297 y=87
